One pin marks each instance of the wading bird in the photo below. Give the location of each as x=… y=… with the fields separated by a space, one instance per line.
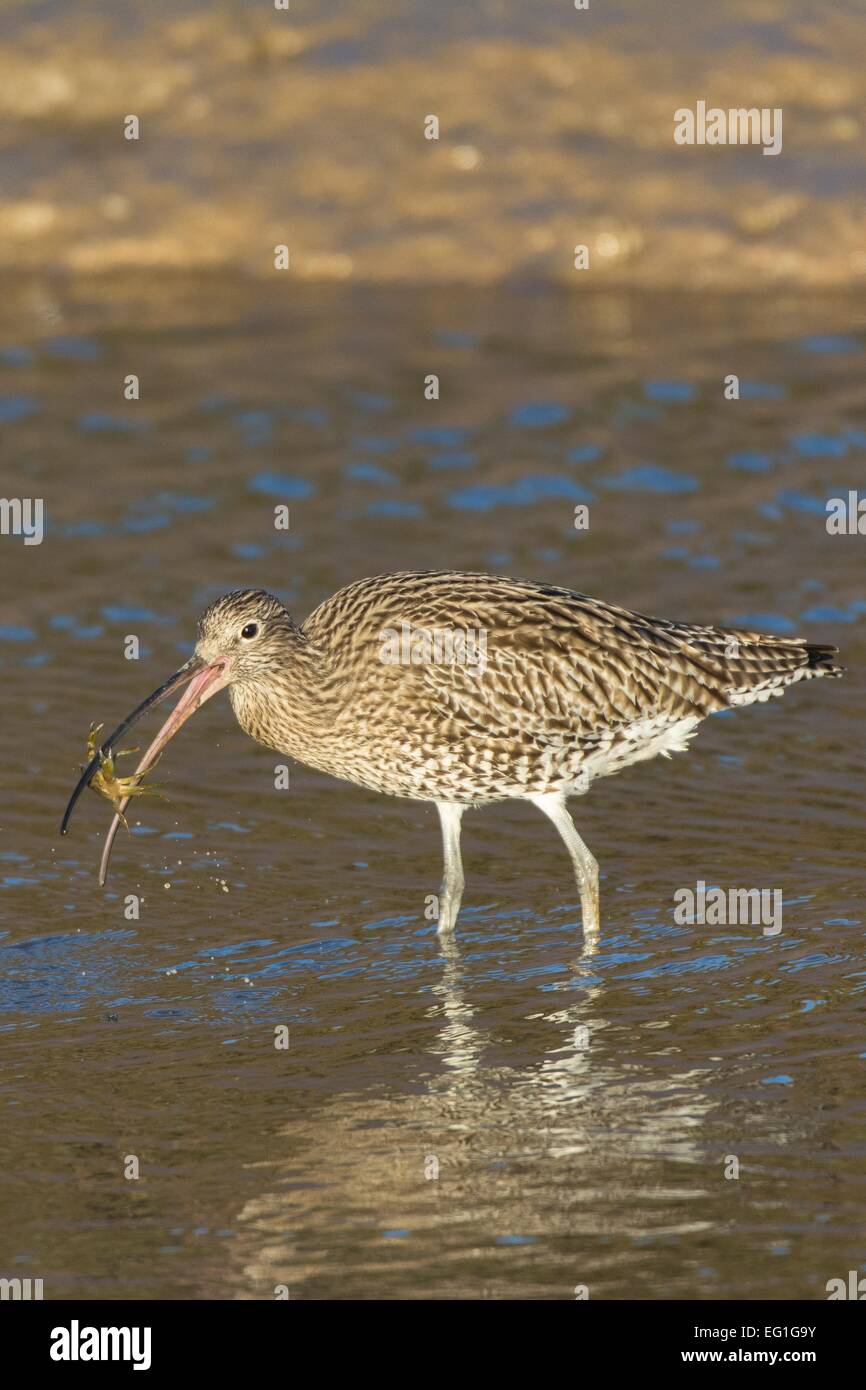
x=560 y=689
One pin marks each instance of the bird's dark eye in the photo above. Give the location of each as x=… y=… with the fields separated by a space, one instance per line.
x=250 y=630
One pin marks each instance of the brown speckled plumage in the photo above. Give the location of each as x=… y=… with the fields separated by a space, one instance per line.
x=571 y=685
x=570 y=689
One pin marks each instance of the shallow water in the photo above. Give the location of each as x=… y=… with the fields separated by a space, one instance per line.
x=580 y=1107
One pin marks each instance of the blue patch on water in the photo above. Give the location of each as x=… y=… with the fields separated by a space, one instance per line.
x=515 y=1240
x=522 y=493
x=369 y=473
x=65 y=622
x=750 y=461
x=117 y=613
x=182 y=502
x=247 y=550
x=820 y=445
x=142 y=524
x=683 y=527
x=830 y=342
x=675 y=392
x=781 y=1080
x=769 y=511
x=16 y=356
x=370 y=401
x=398 y=1233
x=761 y=391
x=100 y=422
x=700 y=964
x=256 y=426
x=439 y=436
x=539 y=415
x=13 y=632
x=393 y=507
x=280 y=485
x=199 y=453
x=796 y=501
x=584 y=453
x=15 y=408
x=766 y=622
x=452 y=460
x=705 y=562
x=676 y=552
x=60 y=958
x=651 y=477
x=828 y=613
x=74 y=348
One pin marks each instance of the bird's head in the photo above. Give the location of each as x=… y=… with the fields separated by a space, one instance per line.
x=248 y=632
x=242 y=637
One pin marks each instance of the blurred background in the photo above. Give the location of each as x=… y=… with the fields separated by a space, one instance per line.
x=305 y=126
x=580 y=1109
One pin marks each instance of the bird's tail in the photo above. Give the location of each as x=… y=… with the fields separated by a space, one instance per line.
x=754 y=666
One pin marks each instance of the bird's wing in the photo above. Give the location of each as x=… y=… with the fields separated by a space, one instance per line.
x=578 y=669
x=551 y=664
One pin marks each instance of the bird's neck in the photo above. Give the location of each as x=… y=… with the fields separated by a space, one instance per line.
x=287 y=708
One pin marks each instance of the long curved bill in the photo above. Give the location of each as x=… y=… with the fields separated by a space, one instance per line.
x=202 y=679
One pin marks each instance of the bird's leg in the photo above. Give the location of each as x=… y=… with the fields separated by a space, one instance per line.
x=585 y=866
x=451 y=891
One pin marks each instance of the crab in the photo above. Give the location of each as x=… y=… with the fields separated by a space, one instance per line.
x=105 y=780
